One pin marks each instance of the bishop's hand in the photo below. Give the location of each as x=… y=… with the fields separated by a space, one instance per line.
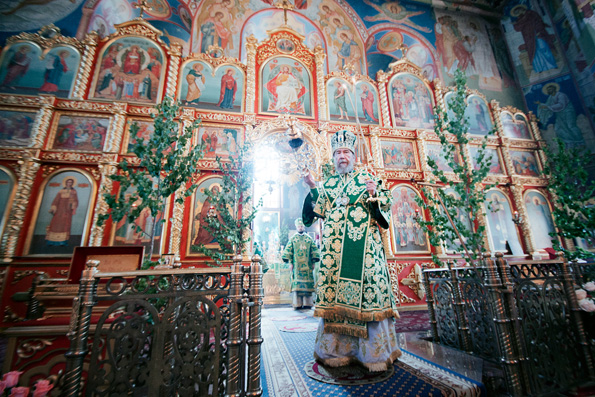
x=371 y=186
x=309 y=179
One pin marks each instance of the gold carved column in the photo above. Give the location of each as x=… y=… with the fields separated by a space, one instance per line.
x=382 y=92
x=428 y=176
x=481 y=216
x=42 y=121
x=376 y=150
x=107 y=167
x=187 y=118
x=319 y=56
x=251 y=43
x=517 y=194
x=84 y=73
x=175 y=53
x=29 y=165
x=114 y=136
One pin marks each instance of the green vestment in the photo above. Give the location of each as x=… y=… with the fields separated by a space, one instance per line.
x=353 y=285
x=302 y=252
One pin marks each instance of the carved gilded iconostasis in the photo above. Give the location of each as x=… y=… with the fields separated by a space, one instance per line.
x=248 y=70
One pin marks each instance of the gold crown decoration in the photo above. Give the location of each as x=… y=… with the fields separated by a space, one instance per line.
x=343 y=139
x=299 y=222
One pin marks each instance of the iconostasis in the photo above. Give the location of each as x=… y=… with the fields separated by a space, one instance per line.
x=66 y=107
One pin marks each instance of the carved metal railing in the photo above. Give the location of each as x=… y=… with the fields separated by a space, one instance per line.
x=184 y=332
x=522 y=315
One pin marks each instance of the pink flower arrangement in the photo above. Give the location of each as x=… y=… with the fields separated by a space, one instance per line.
x=19 y=392
x=42 y=388
x=586 y=297
x=10 y=380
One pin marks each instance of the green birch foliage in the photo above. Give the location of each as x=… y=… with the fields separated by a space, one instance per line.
x=167 y=163
x=468 y=193
x=234 y=211
x=574 y=194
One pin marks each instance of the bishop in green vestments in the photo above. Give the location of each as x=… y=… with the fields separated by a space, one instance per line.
x=353 y=292
x=302 y=254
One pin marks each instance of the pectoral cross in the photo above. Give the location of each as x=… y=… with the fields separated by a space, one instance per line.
x=285 y=5
x=143 y=5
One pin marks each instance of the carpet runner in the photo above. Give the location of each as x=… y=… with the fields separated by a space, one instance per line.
x=413 y=321
x=286 y=354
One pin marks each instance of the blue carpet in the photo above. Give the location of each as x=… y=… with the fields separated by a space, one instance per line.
x=286 y=353
x=402 y=383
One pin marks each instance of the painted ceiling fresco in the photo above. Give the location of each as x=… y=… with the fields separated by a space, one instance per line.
x=475 y=36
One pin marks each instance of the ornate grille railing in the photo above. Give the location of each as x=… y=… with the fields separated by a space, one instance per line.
x=184 y=332
x=522 y=315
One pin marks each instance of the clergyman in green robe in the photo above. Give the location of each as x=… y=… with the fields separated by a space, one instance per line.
x=353 y=293
x=302 y=254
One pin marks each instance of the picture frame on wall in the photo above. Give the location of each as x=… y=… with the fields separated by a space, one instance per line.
x=138 y=233
x=516 y=127
x=525 y=163
x=145 y=132
x=286 y=88
x=130 y=69
x=492 y=154
x=399 y=155
x=197 y=233
x=462 y=217
x=28 y=69
x=433 y=150
x=339 y=102
x=79 y=132
x=220 y=140
x=16 y=127
x=479 y=115
x=349 y=106
x=407 y=234
x=218 y=89
x=541 y=222
x=62 y=213
x=502 y=232
x=411 y=102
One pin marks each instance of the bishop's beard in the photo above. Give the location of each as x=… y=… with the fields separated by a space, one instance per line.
x=343 y=168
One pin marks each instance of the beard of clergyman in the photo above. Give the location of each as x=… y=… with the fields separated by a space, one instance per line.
x=344 y=167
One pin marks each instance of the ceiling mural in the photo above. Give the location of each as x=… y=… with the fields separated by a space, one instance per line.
x=108 y=13
x=258 y=24
x=23 y=15
x=367 y=34
x=388 y=45
x=398 y=12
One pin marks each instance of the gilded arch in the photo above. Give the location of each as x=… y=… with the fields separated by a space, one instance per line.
x=320 y=151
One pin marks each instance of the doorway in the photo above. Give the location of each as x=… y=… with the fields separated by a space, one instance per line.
x=279 y=187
